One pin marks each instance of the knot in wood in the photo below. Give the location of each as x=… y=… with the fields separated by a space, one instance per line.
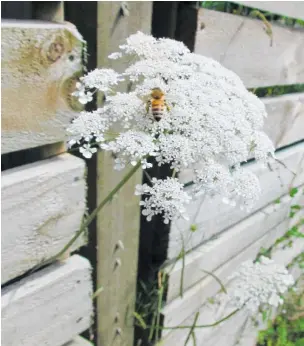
x=56 y=50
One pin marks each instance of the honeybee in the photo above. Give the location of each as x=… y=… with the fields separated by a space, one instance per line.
x=157 y=103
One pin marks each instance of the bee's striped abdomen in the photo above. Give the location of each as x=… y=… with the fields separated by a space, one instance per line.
x=158 y=107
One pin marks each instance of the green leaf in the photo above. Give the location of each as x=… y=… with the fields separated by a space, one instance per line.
x=292 y=214
x=277 y=201
x=140 y=320
x=293 y=192
x=295 y=207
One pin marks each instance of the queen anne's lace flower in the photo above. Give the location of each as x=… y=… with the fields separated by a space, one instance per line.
x=165 y=197
x=259 y=285
x=130 y=147
x=213 y=120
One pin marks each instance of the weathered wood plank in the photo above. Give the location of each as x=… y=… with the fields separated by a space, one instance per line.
x=294 y=9
x=285 y=122
x=42 y=207
x=118 y=222
x=211 y=216
x=241 y=44
x=180 y=311
x=49 y=307
x=216 y=252
x=41 y=62
x=79 y=341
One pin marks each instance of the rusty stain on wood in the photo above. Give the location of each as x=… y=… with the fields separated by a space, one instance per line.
x=41 y=63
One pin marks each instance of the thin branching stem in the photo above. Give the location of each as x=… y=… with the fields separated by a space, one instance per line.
x=192 y=328
x=202 y=325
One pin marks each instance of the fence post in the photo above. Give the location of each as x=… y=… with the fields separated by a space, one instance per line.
x=118 y=222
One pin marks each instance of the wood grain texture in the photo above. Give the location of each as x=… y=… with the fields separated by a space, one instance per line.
x=49 y=307
x=42 y=207
x=285 y=122
x=118 y=222
x=211 y=216
x=79 y=341
x=294 y=9
x=181 y=310
x=41 y=62
x=241 y=45
x=216 y=252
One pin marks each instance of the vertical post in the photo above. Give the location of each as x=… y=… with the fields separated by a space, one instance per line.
x=118 y=222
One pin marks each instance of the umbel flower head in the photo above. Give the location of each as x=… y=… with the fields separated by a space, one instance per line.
x=259 y=285
x=211 y=125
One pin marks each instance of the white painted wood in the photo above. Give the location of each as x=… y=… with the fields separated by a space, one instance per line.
x=79 y=341
x=49 y=307
x=215 y=253
x=212 y=216
x=285 y=122
x=40 y=62
x=181 y=311
x=294 y=9
x=241 y=45
x=42 y=207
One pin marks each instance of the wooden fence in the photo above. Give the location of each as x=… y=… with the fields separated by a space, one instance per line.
x=45 y=190
x=43 y=202
x=225 y=236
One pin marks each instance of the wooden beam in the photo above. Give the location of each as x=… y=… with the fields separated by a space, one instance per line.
x=118 y=222
x=242 y=45
x=41 y=62
x=48 y=307
x=42 y=207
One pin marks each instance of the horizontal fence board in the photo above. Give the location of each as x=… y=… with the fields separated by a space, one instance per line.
x=216 y=252
x=79 y=341
x=49 y=307
x=181 y=310
x=211 y=216
x=42 y=207
x=294 y=9
x=285 y=122
x=241 y=45
x=40 y=62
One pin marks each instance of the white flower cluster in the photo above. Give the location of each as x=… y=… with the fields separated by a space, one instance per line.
x=212 y=124
x=163 y=197
x=259 y=285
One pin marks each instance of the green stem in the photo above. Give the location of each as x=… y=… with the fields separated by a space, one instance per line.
x=159 y=306
x=192 y=329
x=216 y=279
x=91 y=217
x=202 y=325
